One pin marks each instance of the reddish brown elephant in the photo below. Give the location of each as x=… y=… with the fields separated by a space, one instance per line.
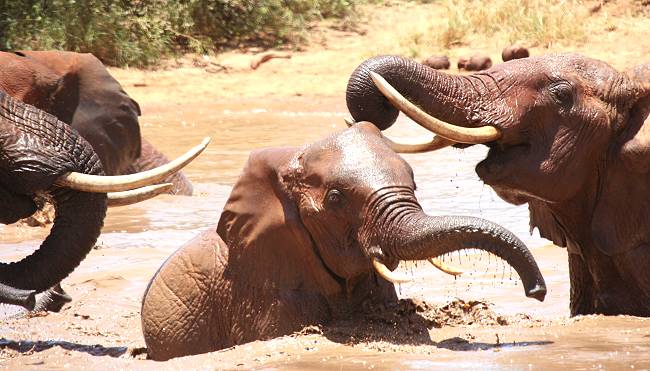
x=78 y=90
x=567 y=134
x=297 y=242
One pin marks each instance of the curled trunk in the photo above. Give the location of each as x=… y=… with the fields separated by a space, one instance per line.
x=405 y=232
x=79 y=219
x=35 y=150
x=450 y=98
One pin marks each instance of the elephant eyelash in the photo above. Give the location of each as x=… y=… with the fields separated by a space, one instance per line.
x=563 y=93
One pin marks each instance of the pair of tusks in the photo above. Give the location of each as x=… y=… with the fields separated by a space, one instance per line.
x=132 y=188
x=389 y=276
x=447 y=134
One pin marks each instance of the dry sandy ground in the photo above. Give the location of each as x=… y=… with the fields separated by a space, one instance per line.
x=101 y=328
x=323 y=66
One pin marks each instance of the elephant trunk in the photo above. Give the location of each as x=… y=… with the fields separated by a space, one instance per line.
x=35 y=150
x=77 y=224
x=467 y=101
x=404 y=232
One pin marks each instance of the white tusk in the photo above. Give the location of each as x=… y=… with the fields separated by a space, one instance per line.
x=116 y=183
x=452 y=132
x=435 y=144
x=137 y=195
x=387 y=274
x=446 y=268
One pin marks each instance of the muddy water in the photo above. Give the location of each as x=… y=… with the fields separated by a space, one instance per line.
x=107 y=287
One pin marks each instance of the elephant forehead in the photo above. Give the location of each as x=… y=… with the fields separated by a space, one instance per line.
x=369 y=160
x=556 y=66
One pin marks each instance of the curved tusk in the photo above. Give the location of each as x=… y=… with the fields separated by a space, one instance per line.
x=387 y=274
x=446 y=268
x=137 y=195
x=452 y=132
x=116 y=183
x=435 y=144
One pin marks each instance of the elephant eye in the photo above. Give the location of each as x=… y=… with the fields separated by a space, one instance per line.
x=334 y=197
x=562 y=93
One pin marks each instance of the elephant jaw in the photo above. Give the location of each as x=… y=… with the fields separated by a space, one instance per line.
x=387 y=273
x=501 y=170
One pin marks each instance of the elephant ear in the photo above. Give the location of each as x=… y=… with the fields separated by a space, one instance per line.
x=542 y=218
x=635 y=139
x=262 y=227
x=620 y=216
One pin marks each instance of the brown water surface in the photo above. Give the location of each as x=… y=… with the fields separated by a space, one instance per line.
x=101 y=328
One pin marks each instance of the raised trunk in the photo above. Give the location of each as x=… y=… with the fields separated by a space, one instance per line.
x=450 y=98
x=35 y=149
x=405 y=232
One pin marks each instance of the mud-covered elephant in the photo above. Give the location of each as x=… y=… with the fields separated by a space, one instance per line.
x=78 y=90
x=567 y=134
x=297 y=242
x=41 y=156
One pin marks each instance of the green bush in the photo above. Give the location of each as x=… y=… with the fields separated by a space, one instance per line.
x=140 y=32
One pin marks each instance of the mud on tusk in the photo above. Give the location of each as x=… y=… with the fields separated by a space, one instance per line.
x=452 y=132
x=117 y=183
x=137 y=195
x=446 y=268
x=389 y=276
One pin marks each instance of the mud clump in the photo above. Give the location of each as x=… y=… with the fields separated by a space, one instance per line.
x=409 y=321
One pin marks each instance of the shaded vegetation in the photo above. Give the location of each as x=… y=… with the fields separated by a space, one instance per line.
x=140 y=32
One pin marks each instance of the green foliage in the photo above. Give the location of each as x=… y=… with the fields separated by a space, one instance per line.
x=140 y=32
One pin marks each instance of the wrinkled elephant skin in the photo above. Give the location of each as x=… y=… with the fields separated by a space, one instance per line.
x=573 y=142
x=297 y=242
x=78 y=90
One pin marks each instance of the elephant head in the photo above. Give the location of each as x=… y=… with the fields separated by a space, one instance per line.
x=41 y=156
x=78 y=89
x=306 y=235
x=566 y=134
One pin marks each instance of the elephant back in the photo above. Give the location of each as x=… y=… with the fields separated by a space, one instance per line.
x=88 y=98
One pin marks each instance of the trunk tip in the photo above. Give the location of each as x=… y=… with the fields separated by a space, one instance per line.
x=538 y=292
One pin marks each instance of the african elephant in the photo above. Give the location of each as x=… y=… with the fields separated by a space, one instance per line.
x=514 y=52
x=477 y=62
x=438 y=62
x=567 y=134
x=41 y=156
x=78 y=90
x=297 y=242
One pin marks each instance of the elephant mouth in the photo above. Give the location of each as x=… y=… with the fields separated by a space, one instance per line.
x=500 y=163
x=384 y=266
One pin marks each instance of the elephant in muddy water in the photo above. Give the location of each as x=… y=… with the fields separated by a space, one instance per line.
x=78 y=90
x=477 y=62
x=514 y=52
x=567 y=134
x=297 y=242
x=41 y=156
